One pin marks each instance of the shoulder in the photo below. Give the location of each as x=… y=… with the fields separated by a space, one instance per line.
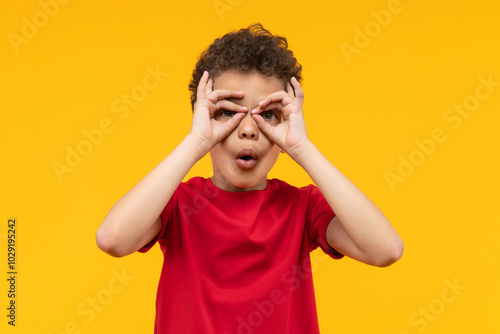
x=195 y=184
x=280 y=184
x=282 y=187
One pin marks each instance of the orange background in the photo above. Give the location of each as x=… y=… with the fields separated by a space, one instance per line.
x=379 y=78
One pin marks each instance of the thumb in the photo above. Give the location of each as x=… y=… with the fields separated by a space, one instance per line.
x=265 y=127
x=233 y=122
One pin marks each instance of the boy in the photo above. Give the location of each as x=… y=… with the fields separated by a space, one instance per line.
x=236 y=245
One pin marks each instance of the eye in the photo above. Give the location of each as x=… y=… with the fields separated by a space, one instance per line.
x=228 y=113
x=268 y=116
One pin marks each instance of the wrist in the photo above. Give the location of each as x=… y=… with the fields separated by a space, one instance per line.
x=301 y=152
x=198 y=145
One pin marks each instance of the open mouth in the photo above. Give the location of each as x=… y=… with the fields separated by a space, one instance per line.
x=246 y=159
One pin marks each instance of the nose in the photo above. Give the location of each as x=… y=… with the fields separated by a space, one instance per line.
x=248 y=129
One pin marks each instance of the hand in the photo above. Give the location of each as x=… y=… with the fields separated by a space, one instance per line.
x=290 y=134
x=205 y=126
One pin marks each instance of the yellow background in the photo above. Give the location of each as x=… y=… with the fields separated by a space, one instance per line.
x=362 y=111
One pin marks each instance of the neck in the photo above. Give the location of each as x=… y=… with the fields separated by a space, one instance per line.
x=220 y=182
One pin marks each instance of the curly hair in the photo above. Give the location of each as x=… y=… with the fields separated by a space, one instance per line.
x=253 y=48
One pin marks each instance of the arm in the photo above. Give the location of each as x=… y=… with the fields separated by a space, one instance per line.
x=359 y=229
x=134 y=219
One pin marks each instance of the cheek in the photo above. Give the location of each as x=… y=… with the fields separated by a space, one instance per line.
x=218 y=156
x=273 y=153
x=266 y=142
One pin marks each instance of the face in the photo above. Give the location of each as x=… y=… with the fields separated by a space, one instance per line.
x=242 y=160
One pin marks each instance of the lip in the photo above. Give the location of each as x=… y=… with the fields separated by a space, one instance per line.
x=246 y=164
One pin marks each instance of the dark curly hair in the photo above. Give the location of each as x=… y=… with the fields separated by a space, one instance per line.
x=253 y=48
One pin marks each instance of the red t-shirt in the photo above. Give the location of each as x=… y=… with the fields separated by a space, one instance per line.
x=238 y=262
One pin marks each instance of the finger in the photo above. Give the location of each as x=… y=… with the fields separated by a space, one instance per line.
x=264 y=126
x=233 y=122
x=220 y=94
x=228 y=105
x=210 y=85
x=202 y=85
x=275 y=97
x=289 y=90
x=270 y=106
x=299 y=93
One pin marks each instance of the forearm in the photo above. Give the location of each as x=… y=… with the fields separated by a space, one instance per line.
x=366 y=225
x=135 y=213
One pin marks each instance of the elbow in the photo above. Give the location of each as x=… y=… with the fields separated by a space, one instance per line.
x=107 y=242
x=392 y=254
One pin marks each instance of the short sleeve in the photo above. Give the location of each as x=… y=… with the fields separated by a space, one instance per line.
x=166 y=222
x=318 y=216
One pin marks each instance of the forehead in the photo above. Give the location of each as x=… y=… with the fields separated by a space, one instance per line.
x=253 y=83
